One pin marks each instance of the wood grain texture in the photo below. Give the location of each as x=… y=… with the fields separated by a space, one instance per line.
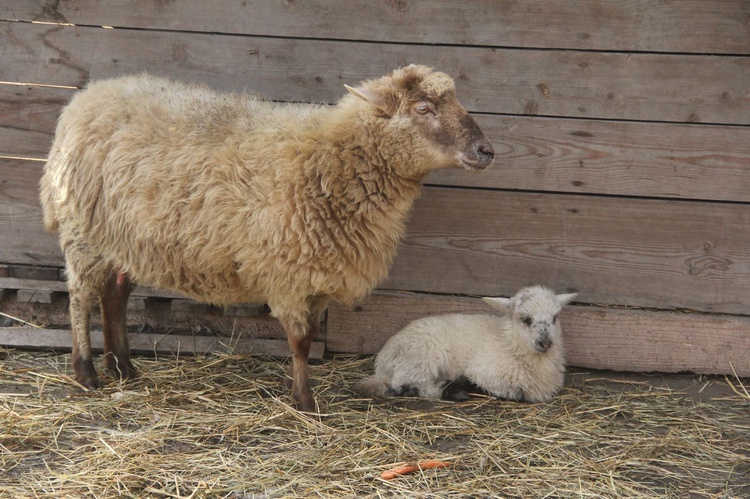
x=595 y=337
x=718 y=26
x=661 y=87
x=22 y=236
x=146 y=343
x=665 y=160
x=28 y=116
x=623 y=251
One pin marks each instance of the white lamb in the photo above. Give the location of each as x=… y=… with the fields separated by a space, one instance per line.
x=517 y=356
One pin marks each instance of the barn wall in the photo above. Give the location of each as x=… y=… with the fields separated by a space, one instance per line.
x=622 y=132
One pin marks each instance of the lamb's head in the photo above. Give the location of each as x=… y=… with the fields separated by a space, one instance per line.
x=534 y=312
x=423 y=112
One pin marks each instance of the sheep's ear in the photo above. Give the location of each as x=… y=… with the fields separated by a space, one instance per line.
x=501 y=304
x=565 y=299
x=378 y=98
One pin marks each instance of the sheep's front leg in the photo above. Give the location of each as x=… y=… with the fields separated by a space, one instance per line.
x=114 y=302
x=300 y=334
x=81 y=303
x=300 y=338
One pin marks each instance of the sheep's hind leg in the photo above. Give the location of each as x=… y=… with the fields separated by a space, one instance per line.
x=114 y=302
x=81 y=303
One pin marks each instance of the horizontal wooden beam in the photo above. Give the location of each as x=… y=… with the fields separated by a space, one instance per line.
x=620 y=251
x=665 y=160
x=595 y=337
x=145 y=343
x=607 y=85
x=719 y=26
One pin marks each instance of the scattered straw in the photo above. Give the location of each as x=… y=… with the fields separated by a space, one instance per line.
x=222 y=426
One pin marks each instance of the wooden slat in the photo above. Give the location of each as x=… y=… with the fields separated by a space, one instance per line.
x=61 y=286
x=615 y=250
x=617 y=158
x=28 y=116
x=644 y=253
x=595 y=337
x=662 y=87
x=145 y=343
x=718 y=26
x=533 y=153
x=22 y=236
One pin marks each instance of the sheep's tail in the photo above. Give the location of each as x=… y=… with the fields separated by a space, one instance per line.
x=372 y=387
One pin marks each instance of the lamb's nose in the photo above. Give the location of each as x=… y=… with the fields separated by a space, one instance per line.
x=543 y=344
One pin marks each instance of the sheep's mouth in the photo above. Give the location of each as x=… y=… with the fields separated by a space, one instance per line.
x=475 y=164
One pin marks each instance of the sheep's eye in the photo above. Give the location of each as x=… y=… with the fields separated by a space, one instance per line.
x=423 y=109
x=526 y=320
x=554 y=319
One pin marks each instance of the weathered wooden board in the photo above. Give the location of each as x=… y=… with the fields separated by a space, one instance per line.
x=664 y=160
x=614 y=250
x=22 y=236
x=667 y=160
x=28 y=116
x=718 y=26
x=661 y=87
x=147 y=343
x=636 y=252
x=595 y=337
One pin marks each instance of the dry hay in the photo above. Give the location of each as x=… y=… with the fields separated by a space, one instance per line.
x=221 y=426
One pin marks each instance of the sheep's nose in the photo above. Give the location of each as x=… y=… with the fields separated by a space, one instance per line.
x=487 y=150
x=485 y=154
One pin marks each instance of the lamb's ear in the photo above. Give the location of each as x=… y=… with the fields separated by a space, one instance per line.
x=501 y=304
x=379 y=98
x=565 y=299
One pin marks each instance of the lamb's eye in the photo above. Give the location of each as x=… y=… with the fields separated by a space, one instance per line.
x=526 y=320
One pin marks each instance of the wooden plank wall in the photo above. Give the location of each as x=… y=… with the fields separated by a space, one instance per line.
x=622 y=131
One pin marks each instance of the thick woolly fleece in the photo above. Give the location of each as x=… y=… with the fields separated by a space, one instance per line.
x=227 y=198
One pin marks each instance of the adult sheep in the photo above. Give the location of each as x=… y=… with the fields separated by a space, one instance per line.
x=227 y=199
x=516 y=356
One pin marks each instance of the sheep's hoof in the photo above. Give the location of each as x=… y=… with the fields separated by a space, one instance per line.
x=128 y=373
x=304 y=402
x=85 y=373
x=120 y=369
x=308 y=407
x=89 y=381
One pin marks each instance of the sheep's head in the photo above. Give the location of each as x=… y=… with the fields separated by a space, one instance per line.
x=422 y=105
x=534 y=312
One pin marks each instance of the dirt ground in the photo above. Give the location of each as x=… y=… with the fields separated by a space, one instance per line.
x=221 y=426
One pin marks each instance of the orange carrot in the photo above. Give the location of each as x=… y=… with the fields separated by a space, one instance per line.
x=411 y=468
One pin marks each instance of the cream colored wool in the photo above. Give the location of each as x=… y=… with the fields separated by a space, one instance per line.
x=227 y=198
x=517 y=356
